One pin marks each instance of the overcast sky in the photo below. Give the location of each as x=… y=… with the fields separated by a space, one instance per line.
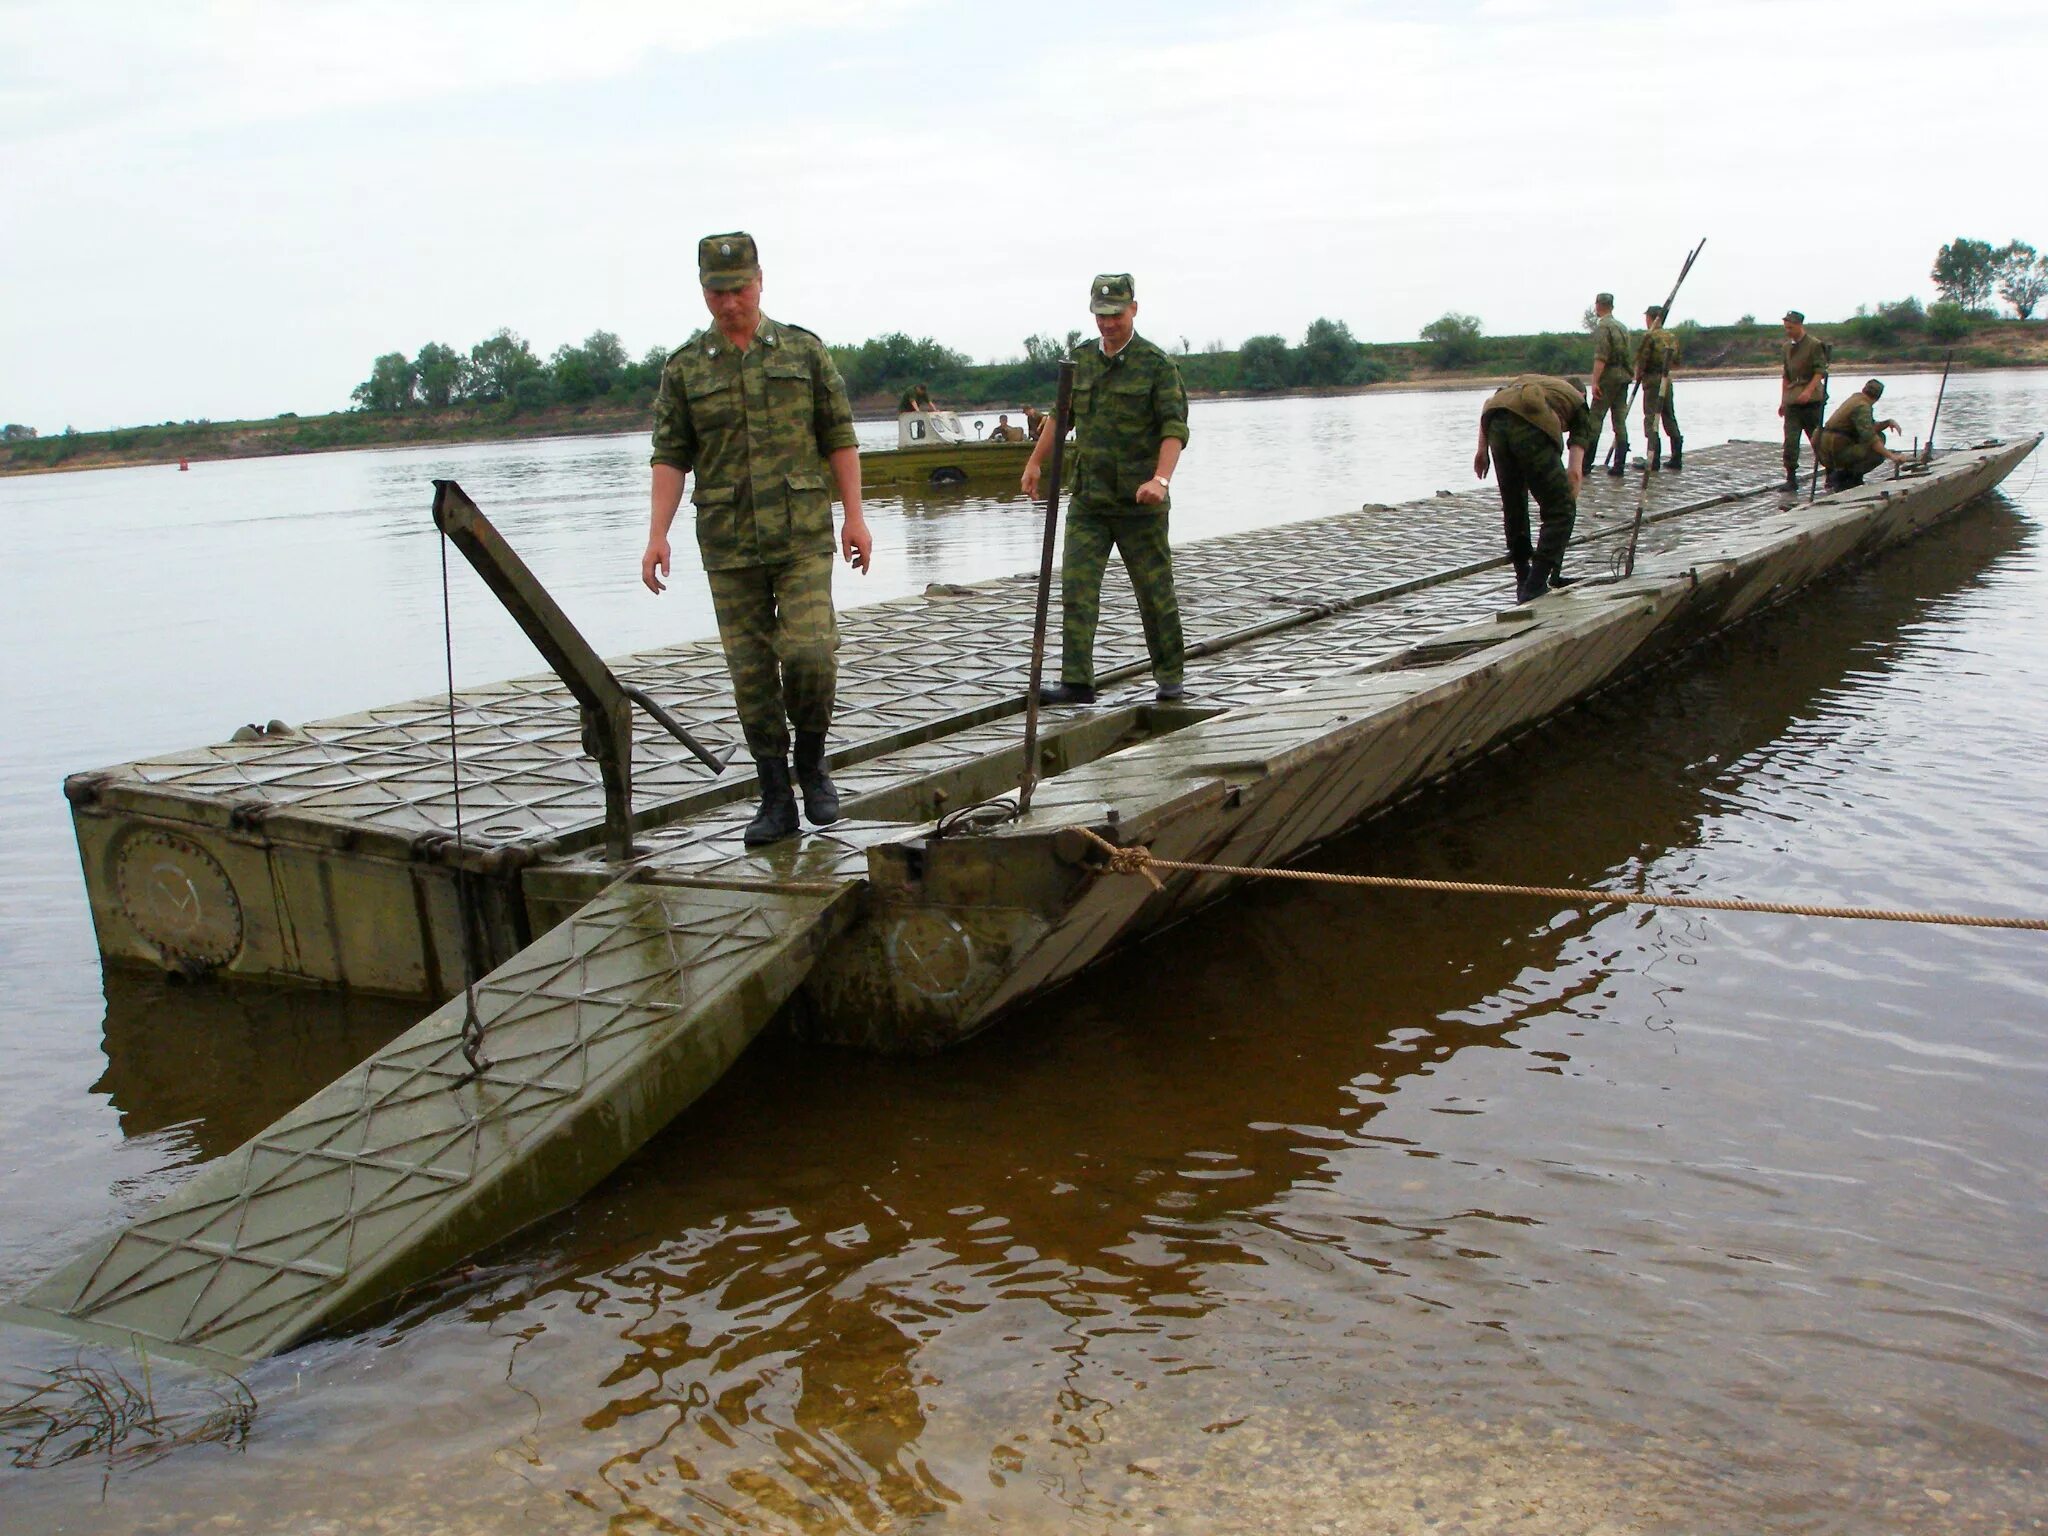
x=229 y=209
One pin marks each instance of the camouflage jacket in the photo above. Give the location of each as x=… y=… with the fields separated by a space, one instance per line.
x=1804 y=358
x=1656 y=354
x=1855 y=419
x=1550 y=405
x=1124 y=408
x=1610 y=346
x=755 y=427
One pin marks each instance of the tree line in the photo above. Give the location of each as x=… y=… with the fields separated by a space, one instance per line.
x=504 y=370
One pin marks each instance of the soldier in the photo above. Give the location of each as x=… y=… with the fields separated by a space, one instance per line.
x=1656 y=356
x=1802 y=399
x=1611 y=369
x=1005 y=433
x=758 y=412
x=1852 y=443
x=1524 y=428
x=916 y=398
x=1130 y=424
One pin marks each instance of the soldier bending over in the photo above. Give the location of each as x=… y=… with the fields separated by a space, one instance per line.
x=1523 y=432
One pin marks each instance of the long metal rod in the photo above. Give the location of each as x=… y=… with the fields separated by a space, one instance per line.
x=1670 y=299
x=1058 y=428
x=1939 y=395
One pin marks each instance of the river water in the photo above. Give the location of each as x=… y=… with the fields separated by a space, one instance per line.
x=1321 y=1212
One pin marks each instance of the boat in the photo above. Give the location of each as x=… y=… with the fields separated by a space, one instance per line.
x=936 y=451
x=627 y=946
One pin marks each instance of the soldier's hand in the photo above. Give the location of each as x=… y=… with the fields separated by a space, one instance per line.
x=654 y=564
x=1480 y=461
x=1151 y=493
x=1781 y=409
x=856 y=544
x=1029 y=481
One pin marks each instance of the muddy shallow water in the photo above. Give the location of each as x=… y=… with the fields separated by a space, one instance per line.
x=1323 y=1211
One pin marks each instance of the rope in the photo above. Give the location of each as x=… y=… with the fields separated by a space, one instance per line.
x=472 y=1026
x=1139 y=860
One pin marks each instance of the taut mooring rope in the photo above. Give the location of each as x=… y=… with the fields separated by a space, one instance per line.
x=1139 y=860
x=472 y=1026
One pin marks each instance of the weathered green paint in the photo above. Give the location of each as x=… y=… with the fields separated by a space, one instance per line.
x=597 y=1035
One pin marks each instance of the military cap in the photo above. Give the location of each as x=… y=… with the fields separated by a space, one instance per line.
x=1111 y=293
x=726 y=262
x=1604 y=298
x=1873 y=387
x=1795 y=317
x=1654 y=312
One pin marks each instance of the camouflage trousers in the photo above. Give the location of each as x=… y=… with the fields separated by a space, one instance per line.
x=1609 y=405
x=1800 y=421
x=779 y=632
x=1525 y=460
x=1140 y=537
x=1660 y=404
x=1840 y=451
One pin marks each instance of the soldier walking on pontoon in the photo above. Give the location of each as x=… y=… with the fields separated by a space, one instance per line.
x=1803 y=396
x=756 y=410
x=1612 y=368
x=1656 y=356
x=1535 y=432
x=1130 y=424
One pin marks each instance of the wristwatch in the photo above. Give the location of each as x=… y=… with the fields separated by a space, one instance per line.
x=1162 y=481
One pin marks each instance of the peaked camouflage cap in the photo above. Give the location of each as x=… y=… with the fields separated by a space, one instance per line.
x=1111 y=293
x=1604 y=298
x=1873 y=387
x=726 y=262
x=1795 y=317
x=1654 y=312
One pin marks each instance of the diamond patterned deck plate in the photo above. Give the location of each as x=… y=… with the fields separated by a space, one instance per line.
x=597 y=1034
x=922 y=660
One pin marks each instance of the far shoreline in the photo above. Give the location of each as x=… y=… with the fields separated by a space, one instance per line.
x=621 y=424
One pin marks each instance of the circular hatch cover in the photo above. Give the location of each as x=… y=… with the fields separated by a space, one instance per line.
x=179 y=898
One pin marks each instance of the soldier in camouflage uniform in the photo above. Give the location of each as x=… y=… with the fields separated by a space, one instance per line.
x=1130 y=424
x=1803 y=398
x=1656 y=356
x=1611 y=370
x=1851 y=445
x=756 y=410
x=1525 y=428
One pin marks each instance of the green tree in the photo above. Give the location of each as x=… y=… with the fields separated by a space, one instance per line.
x=1453 y=340
x=1947 y=322
x=1330 y=354
x=593 y=369
x=1554 y=354
x=389 y=386
x=2022 y=277
x=1965 y=271
x=15 y=432
x=1043 y=349
x=440 y=373
x=1264 y=363
x=498 y=365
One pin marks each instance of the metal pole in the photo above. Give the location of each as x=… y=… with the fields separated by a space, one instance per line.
x=1938 y=396
x=1669 y=299
x=1058 y=427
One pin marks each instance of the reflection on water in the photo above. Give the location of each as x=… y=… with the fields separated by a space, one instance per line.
x=1361 y=1211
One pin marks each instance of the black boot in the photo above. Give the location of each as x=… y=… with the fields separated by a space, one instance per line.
x=821 y=795
x=776 y=819
x=1618 y=465
x=1656 y=455
x=1791 y=485
x=1677 y=451
x=1532 y=583
x=1066 y=693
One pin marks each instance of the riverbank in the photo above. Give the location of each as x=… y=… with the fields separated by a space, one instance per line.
x=1743 y=351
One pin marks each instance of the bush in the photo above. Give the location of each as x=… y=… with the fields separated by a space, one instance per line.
x=1947 y=322
x=1453 y=340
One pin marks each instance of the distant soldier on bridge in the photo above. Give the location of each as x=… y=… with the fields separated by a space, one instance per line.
x=757 y=411
x=1612 y=369
x=1130 y=424
x=1656 y=356
x=1802 y=398
x=1536 y=432
x=1851 y=445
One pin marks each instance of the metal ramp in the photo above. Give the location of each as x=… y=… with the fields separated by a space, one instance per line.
x=597 y=1035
